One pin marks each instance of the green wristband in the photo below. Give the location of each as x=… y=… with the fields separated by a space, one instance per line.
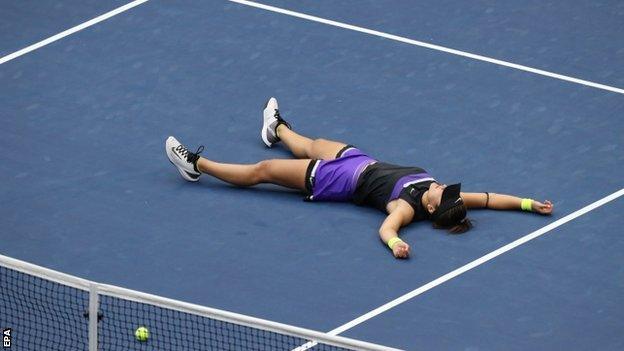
x=527 y=205
x=393 y=242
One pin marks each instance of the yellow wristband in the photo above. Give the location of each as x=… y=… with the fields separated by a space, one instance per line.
x=527 y=205
x=393 y=242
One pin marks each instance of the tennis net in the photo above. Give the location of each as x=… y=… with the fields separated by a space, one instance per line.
x=42 y=309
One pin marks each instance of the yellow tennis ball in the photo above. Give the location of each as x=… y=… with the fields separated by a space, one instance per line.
x=141 y=334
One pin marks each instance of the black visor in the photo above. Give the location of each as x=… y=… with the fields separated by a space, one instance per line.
x=450 y=199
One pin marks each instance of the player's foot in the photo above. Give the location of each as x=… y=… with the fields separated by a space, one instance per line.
x=184 y=160
x=272 y=119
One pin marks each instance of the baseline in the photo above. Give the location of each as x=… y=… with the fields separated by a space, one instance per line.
x=430 y=46
x=71 y=31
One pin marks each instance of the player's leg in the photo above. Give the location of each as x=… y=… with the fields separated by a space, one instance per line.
x=303 y=147
x=288 y=173
x=298 y=144
x=275 y=128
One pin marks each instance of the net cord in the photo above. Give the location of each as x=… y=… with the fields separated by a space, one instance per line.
x=231 y=317
x=45 y=273
x=114 y=291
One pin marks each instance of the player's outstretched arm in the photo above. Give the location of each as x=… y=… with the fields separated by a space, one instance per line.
x=505 y=202
x=400 y=216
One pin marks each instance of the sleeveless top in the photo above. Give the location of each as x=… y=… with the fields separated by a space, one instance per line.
x=382 y=182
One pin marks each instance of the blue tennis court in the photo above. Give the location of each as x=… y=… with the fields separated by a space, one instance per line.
x=86 y=188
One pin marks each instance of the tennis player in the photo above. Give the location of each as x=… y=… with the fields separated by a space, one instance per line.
x=332 y=171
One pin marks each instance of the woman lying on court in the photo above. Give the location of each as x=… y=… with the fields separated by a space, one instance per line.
x=332 y=171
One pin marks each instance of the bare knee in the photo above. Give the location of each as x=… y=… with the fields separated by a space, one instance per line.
x=316 y=147
x=262 y=172
x=325 y=149
x=320 y=141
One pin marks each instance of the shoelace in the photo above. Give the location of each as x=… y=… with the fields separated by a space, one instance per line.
x=280 y=120
x=190 y=156
x=277 y=115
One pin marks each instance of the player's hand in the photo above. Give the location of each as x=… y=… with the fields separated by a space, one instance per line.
x=545 y=208
x=401 y=250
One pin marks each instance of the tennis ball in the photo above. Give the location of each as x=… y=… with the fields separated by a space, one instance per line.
x=141 y=334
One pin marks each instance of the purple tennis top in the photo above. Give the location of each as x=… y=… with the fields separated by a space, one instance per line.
x=382 y=182
x=354 y=176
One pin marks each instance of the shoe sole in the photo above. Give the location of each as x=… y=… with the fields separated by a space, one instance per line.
x=265 y=127
x=183 y=173
x=263 y=135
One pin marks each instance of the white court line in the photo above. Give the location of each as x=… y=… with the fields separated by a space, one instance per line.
x=449 y=275
x=429 y=46
x=468 y=267
x=71 y=31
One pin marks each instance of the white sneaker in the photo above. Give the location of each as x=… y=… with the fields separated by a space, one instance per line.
x=183 y=159
x=271 y=119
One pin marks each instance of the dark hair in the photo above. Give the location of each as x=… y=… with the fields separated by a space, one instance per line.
x=454 y=220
